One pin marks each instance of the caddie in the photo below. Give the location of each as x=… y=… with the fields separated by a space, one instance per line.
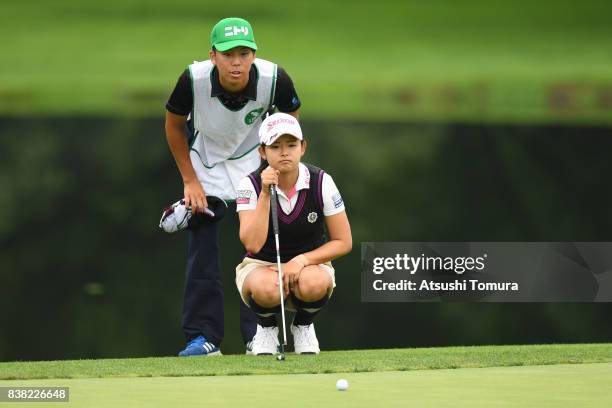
x=224 y=99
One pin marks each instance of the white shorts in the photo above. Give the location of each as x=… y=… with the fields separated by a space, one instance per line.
x=249 y=264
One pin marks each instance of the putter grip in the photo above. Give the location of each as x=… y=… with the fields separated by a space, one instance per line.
x=273 y=207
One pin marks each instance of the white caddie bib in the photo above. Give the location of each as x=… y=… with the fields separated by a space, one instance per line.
x=221 y=133
x=224 y=149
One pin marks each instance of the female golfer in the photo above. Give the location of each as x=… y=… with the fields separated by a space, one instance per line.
x=308 y=201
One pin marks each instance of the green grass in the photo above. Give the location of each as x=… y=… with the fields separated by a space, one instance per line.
x=327 y=362
x=583 y=385
x=393 y=60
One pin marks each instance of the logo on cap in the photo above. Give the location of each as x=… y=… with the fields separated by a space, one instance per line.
x=276 y=122
x=233 y=30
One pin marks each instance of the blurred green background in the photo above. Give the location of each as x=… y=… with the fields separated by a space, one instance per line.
x=393 y=60
x=475 y=120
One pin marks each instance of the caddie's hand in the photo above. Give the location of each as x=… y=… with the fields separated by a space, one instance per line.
x=269 y=176
x=195 y=197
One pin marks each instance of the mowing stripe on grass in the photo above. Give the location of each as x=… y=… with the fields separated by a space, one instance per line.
x=583 y=385
x=326 y=362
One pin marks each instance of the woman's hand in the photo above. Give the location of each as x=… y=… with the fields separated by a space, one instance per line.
x=268 y=177
x=291 y=273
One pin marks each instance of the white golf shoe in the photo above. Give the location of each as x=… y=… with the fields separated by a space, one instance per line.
x=305 y=339
x=265 y=342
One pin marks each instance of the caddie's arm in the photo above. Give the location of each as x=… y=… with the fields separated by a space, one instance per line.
x=286 y=98
x=295 y=114
x=176 y=136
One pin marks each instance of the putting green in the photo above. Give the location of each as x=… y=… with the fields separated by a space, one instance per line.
x=584 y=385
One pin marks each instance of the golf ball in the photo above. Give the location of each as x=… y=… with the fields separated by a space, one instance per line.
x=342 y=384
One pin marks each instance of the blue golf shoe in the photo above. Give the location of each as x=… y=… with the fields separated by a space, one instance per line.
x=200 y=347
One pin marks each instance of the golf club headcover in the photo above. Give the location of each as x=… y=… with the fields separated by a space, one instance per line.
x=177 y=216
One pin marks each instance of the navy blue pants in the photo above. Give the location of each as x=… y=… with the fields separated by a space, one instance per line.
x=203 y=299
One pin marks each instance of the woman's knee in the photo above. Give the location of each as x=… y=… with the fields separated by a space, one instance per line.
x=266 y=294
x=313 y=286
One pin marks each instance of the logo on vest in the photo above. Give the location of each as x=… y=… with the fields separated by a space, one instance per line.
x=312 y=217
x=252 y=116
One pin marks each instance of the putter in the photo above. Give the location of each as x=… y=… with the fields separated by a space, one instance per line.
x=273 y=201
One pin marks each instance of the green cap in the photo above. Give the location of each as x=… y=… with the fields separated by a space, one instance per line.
x=232 y=32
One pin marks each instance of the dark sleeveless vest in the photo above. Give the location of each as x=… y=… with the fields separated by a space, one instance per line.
x=300 y=231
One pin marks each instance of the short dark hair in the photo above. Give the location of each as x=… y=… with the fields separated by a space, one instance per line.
x=213 y=49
